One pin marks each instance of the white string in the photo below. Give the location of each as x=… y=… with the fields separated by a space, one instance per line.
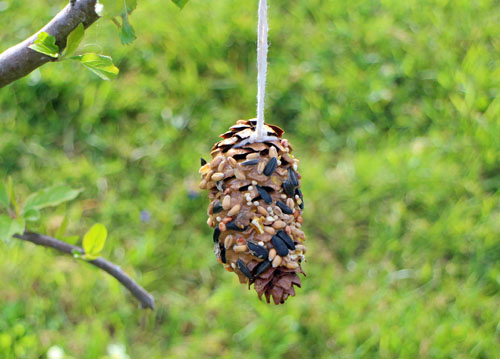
x=261 y=67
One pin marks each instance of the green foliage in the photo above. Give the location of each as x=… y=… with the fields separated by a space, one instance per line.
x=4 y=197
x=101 y=65
x=14 y=221
x=392 y=108
x=10 y=226
x=45 y=44
x=127 y=33
x=50 y=197
x=180 y=3
x=94 y=240
x=74 y=39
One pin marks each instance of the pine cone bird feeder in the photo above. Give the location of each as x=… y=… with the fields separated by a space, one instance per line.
x=256 y=209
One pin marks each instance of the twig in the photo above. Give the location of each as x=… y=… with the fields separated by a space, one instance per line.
x=146 y=299
x=20 y=60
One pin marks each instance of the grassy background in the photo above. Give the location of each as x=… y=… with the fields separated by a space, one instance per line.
x=393 y=108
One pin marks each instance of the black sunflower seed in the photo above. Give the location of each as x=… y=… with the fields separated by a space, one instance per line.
x=232 y=226
x=264 y=195
x=243 y=268
x=257 y=251
x=286 y=238
x=271 y=166
x=288 y=188
x=250 y=163
x=284 y=207
x=222 y=253
x=217 y=208
x=280 y=246
x=292 y=177
x=299 y=192
x=203 y=162
x=261 y=267
x=216 y=234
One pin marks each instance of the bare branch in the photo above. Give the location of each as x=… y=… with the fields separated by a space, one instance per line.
x=20 y=60
x=146 y=299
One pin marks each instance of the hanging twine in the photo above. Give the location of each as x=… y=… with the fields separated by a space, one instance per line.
x=262 y=31
x=260 y=135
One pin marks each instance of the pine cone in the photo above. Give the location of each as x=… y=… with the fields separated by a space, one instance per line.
x=256 y=209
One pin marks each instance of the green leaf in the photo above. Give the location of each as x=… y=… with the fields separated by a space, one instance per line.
x=101 y=65
x=74 y=39
x=17 y=226
x=45 y=44
x=127 y=33
x=32 y=214
x=180 y=3
x=130 y=5
x=93 y=241
x=9 y=227
x=50 y=197
x=4 y=197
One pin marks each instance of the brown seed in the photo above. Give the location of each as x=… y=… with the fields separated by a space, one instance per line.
x=260 y=167
x=292 y=265
x=286 y=157
x=226 y=220
x=210 y=184
x=300 y=248
x=290 y=203
x=297 y=233
x=262 y=211
x=252 y=156
x=276 y=261
x=210 y=221
x=272 y=254
x=241 y=248
x=217 y=176
x=232 y=162
x=234 y=211
x=299 y=219
x=221 y=167
x=288 y=230
x=279 y=224
x=203 y=184
x=226 y=202
x=222 y=226
x=269 y=230
x=215 y=162
x=239 y=175
x=229 y=173
x=228 y=241
x=273 y=152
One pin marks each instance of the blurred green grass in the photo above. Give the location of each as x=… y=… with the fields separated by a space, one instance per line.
x=393 y=108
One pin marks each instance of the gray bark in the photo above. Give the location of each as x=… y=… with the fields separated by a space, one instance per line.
x=146 y=299
x=19 y=60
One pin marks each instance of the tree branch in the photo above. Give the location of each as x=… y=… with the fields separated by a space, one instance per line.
x=146 y=299
x=20 y=60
